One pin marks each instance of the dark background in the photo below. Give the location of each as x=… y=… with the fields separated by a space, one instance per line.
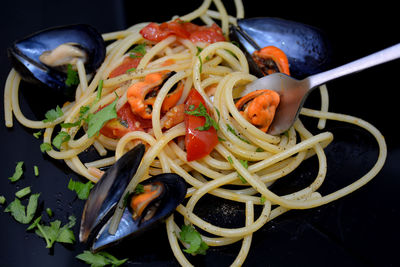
x=359 y=230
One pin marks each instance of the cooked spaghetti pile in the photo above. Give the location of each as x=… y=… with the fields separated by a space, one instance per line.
x=171 y=86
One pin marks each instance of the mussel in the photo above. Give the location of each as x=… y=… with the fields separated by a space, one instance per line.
x=307 y=48
x=157 y=198
x=42 y=58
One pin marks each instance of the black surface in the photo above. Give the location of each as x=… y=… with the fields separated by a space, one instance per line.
x=358 y=230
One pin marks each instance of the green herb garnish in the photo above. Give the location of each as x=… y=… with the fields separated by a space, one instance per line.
x=21 y=213
x=2 y=200
x=49 y=212
x=45 y=147
x=23 y=192
x=72 y=76
x=99 y=90
x=53 y=114
x=201 y=64
x=36 y=170
x=130 y=70
x=96 y=122
x=190 y=236
x=201 y=111
x=100 y=259
x=54 y=232
x=139 y=189
x=245 y=164
x=82 y=189
x=199 y=49
x=61 y=138
x=37 y=134
x=18 y=172
x=138 y=51
x=262 y=199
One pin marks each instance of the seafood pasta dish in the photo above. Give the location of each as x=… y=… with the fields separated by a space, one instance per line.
x=161 y=104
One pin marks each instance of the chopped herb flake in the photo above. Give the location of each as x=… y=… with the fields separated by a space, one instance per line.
x=262 y=199
x=201 y=111
x=139 y=189
x=100 y=259
x=190 y=236
x=36 y=170
x=23 y=192
x=49 y=212
x=2 y=200
x=54 y=232
x=45 y=147
x=230 y=129
x=96 y=122
x=61 y=138
x=21 y=213
x=18 y=172
x=82 y=189
x=37 y=134
x=72 y=77
x=53 y=114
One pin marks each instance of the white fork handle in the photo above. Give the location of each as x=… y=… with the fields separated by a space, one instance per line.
x=374 y=59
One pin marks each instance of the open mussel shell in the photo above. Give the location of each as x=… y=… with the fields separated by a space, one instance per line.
x=174 y=193
x=24 y=54
x=307 y=48
x=108 y=191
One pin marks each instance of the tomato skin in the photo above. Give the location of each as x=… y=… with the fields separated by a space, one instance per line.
x=127 y=63
x=186 y=30
x=115 y=129
x=198 y=143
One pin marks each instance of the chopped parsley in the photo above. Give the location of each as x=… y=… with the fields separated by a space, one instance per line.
x=201 y=111
x=45 y=147
x=23 y=192
x=36 y=170
x=72 y=77
x=245 y=164
x=199 y=49
x=100 y=259
x=53 y=114
x=262 y=199
x=138 y=51
x=37 y=134
x=2 y=200
x=21 y=213
x=49 y=212
x=201 y=64
x=61 y=138
x=130 y=70
x=82 y=189
x=99 y=90
x=54 y=232
x=259 y=149
x=18 y=172
x=139 y=189
x=98 y=119
x=190 y=236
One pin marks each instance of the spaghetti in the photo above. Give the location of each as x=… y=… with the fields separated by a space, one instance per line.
x=223 y=67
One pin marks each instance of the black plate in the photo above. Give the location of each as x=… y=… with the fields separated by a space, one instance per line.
x=358 y=230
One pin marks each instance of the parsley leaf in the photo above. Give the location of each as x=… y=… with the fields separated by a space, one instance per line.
x=81 y=189
x=61 y=138
x=246 y=165
x=54 y=232
x=45 y=147
x=201 y=64
x=100 y=259
x=190 y=236
x=37 y=134
x=20 y=213
x=23 y=192
x=96 y=122
x=72 y=76
x=99 y=91
x=18 y=172
x=201 y=111
x=36 y=170
x=2 y=200
x=139 y=189
x=138 y=51
x=53 y=114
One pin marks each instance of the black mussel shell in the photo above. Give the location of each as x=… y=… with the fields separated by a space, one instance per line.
x=175 y=192
x=24 y=54
x=307 y=48
x=108 y=191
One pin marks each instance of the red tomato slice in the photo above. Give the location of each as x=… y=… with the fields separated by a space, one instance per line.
x=127 y=63
x=126 y=122
x=198 y=143
x=186 y=30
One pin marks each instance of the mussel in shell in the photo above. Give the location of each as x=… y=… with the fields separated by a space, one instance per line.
x=156 y=199
x=42 y=58
x=306 y=47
